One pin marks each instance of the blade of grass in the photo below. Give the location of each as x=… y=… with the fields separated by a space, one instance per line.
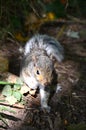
x=8 y=83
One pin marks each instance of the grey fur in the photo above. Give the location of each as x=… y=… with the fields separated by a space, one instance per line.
x=38 y=55
x=52 y=47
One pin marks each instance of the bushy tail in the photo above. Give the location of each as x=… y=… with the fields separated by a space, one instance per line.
x=52 y=47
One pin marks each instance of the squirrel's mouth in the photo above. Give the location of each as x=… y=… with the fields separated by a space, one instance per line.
x=45 y=84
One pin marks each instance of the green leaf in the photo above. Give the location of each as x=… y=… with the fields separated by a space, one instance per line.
x=7 y=91
x=18 y=84
x=11 y=99
x=16 y=87
x=17 y=95
x=19 y=81
x=3 y=108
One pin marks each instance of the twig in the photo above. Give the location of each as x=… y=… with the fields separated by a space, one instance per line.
x=50 y=123
x=14 y=106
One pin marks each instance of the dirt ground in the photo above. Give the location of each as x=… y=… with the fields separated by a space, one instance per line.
x=68 y=106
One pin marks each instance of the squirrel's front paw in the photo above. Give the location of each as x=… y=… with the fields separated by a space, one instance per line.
x=46 y=108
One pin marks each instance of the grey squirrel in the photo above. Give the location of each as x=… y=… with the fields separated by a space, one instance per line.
x=37 y=69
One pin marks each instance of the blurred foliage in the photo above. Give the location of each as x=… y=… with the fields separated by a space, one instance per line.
x=80 y=126
x=12 y=92
x=27 y=15
x=12 y=13
x=77 y=8
x=57 y=7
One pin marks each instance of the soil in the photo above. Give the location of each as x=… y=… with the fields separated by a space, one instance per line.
x=68 y=106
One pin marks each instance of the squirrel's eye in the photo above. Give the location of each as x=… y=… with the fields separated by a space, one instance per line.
x=38 y=72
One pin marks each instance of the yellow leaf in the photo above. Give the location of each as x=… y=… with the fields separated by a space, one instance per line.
x=65 y=122
x=20 y=38
x=50 y=16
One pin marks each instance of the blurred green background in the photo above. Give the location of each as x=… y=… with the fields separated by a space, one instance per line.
x=13 y=13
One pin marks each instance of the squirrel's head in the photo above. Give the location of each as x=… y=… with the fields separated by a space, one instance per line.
x=44 y=70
